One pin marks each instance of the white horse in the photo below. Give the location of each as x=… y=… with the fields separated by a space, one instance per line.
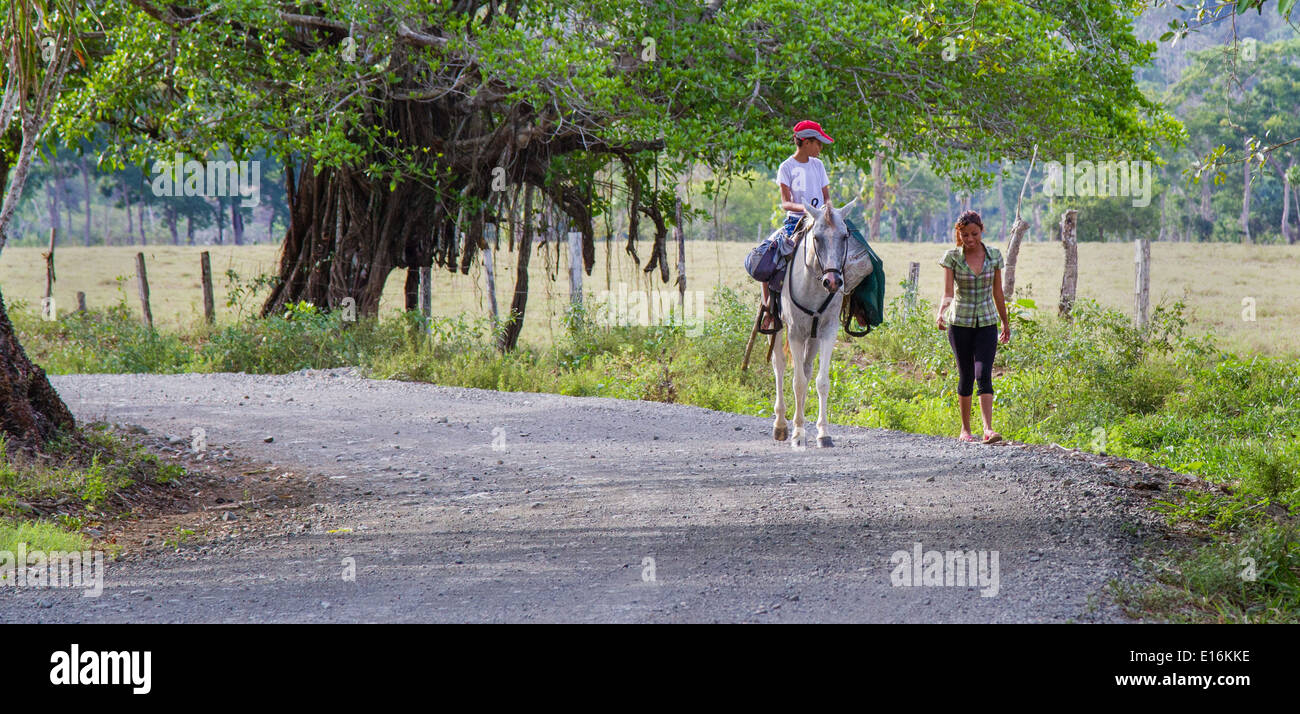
x=810 y=308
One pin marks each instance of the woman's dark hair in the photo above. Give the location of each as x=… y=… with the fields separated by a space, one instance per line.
x=966 y=219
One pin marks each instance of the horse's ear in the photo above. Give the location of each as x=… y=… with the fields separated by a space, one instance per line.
x=844 y=210
x=812 y=211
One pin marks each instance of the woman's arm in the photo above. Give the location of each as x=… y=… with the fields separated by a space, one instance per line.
x=1001 y=303
x=947 y=297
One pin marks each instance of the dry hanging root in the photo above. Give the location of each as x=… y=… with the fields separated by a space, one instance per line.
x=634 y=208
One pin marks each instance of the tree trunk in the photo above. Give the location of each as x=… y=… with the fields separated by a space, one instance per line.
x=61 y=184
x=189 y=230
x=140 y=223
x=1164 y=204
x=1070 y=280
x=31 y=412
x=219 y=214
x=519 y=304
x=130 y=217
x=236 y=222
x=411 y=289
x=346 y=234
x=169 y=216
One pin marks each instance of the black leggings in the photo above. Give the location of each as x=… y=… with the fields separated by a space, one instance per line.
x=974 y=348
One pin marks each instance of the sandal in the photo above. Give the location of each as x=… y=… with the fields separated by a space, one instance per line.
x=969 y=438
x=992 y=438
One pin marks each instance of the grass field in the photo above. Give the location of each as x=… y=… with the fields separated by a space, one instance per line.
x=1213 y=279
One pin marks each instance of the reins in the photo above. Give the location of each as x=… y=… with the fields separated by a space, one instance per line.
x=789 y=281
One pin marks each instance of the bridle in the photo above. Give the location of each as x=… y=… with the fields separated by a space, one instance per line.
x=789 y=281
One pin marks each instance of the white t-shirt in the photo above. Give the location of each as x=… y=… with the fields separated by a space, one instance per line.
x=805 y=180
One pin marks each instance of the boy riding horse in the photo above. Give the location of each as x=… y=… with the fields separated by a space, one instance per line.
x=803 y=180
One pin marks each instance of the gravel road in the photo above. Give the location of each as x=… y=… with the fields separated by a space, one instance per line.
x=470 y=505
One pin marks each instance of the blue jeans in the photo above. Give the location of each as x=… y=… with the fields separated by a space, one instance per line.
x=790 y=223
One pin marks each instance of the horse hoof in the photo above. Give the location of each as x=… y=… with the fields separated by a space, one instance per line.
x=780 y=433
x=825 y=442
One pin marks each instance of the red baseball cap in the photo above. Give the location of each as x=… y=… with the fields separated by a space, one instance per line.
x=811 y=130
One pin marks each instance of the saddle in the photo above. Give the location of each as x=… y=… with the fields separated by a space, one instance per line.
x=767 y=263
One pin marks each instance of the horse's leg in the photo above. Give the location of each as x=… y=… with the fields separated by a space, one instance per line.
x=780 y=430
x=826 y=346
x=799 y=350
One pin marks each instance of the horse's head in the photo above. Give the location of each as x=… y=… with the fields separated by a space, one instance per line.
x=827 y=245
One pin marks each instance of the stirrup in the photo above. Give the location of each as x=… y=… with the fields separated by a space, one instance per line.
x=777 y=324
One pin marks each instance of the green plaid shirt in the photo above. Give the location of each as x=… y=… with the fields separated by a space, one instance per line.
x=972 y=304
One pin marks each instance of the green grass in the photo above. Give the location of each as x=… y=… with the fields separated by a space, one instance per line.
x=76 y=477
x=1248 y=579
x=38 y=535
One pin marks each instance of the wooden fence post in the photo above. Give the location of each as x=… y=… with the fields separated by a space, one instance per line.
x=1070 y=280
x=81 y=301
x=575 y=267
x=489 y=269
x=1018 y=230
x=48 y=310
x=426 y=297
x=49 y=266
x=1142 y=283
x=913 y=282
x=143 y=280
x=209 y=305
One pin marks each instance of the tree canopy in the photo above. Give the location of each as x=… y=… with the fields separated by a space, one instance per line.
x=513 y=85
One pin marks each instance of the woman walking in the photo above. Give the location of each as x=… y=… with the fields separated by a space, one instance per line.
x=971 y=317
